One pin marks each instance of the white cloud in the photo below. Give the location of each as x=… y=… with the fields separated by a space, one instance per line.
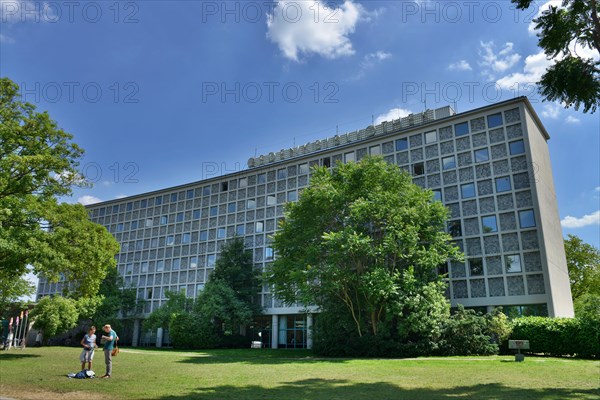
x=6 y=39
x=572 y=120
x=541 y=9
x=120 y=196
x=312 y=27
x=87 y=199
x=369 y=61
x=393 y=114
x=586 y=220
x=551 y=110
x=501 y=61
x=535 y=66
x=597 y=189
x=461 y=65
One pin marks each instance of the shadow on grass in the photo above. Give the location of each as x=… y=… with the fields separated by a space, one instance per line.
x=260 y=357
x=342 y=390
x=5 y=356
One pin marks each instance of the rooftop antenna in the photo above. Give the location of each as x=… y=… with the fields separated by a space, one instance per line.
x=255 y=151
x=372 y=119
x=425 y=102
x=337 y=130
x=455 y=106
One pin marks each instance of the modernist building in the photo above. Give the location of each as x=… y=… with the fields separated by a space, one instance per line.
x=489 y=166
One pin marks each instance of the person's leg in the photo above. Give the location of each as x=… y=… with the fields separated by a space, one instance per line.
x=108 y=361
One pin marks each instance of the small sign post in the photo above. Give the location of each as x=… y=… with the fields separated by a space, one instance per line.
x=519 y=345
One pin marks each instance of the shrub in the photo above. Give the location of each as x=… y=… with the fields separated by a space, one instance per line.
x=560 y=336
x=190 y=332
x=466 y=333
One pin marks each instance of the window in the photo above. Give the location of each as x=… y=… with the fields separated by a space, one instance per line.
x=303 y=169
x=170 y=240
x=179 y=217
x=163 y=220
x=206 y=191
x=160 y=265
x=349 y=157
x=292 y=196
x=401 y=144
x=461 y=129
x=512 y=263
x=503 y=184
x=173 y=197
x=196 y=214
x=149 y=222
x=448 y=162
x=129 y=268
x=193 y=262
x=176 y=264
x=282 y=173
x=517 y=147
x=251 y=203
x=149 y=293
x=526 y=219
x=145 y=266
x=454 y=228
x=494 y=120
x=271 y=200
x=482 y=155
x=231 y=208
x=268 y=253
x=437 y=194
x=224 y=186
x=134 y=224
x=375 y=150
x=475 y=266
x=221 y=232
x=129 y=208
x=243 y=182
x=158 y=201
x=203 y=235
x=260 y=226
x=214 y=210
x=326 y=162
x=418 y=169
x=431 y=137
x=186 y=238
x=143 y=204
x=261 y=178
x=489 y=224
x=153 y=243
x=119 y=227
x=211 y=260
x=240 y=230
x=467 y=190
x=190 y=194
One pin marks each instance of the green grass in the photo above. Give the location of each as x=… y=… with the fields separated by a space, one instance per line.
x=40 y=373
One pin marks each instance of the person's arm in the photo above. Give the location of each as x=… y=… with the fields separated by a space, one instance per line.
x=83 y=342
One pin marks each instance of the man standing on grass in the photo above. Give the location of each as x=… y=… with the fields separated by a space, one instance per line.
x=108 y=342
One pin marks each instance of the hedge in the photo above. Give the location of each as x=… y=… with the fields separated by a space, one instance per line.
x=559 y=336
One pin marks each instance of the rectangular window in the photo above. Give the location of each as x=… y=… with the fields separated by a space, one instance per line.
x=475 y=266
x=303 y=169
x=431 y=137
x=129 y=208
x=160 y=265
x=145 y=266
x=437 y=194
x=134 y=224
x=268 y=253
x=375 y=150
x=243 y=182
x=467 y=190
x=448 y=162
x=482 y=155
x=231 y=208
x=203 y=235
x=401 y=144
x=454 y=228
x=517 y=147
x=149 y=222
x=119 y=227
x=194 y=262
x=292 y=196
x=170 y=240
x=211 y=260
x=503 y=184
x=261 y=178
x=224 y=186
x=163 y=220
x=418 y=169
x=153 y=243
x=221 y=232
x=176 y=264
x=489 y=224
x=260 y=226
x=143 y=204
x=494 y=120
x=271 y=200
x=179 y=217
x=526 y=219
x=189 y=194
x=129 y=268
x=251 y=203
x=173 y=197
x=282 y=173
x=206 y=191
x=186 y=238
x=196 y=214
x=149 y=293
x=461 y=129
x=158 y=201
x=512 y=263
x=214 y=211
x=349 y=157
x=240 y=230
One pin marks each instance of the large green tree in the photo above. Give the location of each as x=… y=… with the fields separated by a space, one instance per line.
x=38 y=162
x=562 y=31
x=55 y=315
x=365 y=238
x=583 y=262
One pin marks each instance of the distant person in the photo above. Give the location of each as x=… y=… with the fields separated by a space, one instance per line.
x=108 y=343
x=89 y=345
x=38 y=339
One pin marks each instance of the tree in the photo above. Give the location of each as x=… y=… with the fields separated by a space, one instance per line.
x=54 y=315
x=38 y=161
x=573 y=79
x=583 y=262
x=11 y=291
x=219 y=304
x=177 y=303
x=355 y=238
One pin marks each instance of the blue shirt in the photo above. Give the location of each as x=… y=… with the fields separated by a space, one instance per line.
x=110 y=344
x=89 y=340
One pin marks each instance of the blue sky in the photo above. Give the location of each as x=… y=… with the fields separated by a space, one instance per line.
x=161 y=93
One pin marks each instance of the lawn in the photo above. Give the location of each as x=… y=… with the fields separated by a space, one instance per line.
x=40 y=373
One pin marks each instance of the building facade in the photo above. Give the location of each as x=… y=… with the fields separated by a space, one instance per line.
x=489 y=166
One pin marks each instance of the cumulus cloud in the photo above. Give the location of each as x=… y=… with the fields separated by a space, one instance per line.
x=551 y=110
x=572 y=120
x=535 y=66
x=87 y=199
x=313 y=27
x=393 y=114
x=461 y=65
x=586 y=220
x=368 y=62
x=497 y=62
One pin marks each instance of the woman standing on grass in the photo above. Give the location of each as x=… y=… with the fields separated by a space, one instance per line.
x=89 y=344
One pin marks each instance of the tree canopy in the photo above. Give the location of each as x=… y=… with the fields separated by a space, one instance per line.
x=360 y=239
x=583 y=262
x=563 y=32
x=38 y=162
